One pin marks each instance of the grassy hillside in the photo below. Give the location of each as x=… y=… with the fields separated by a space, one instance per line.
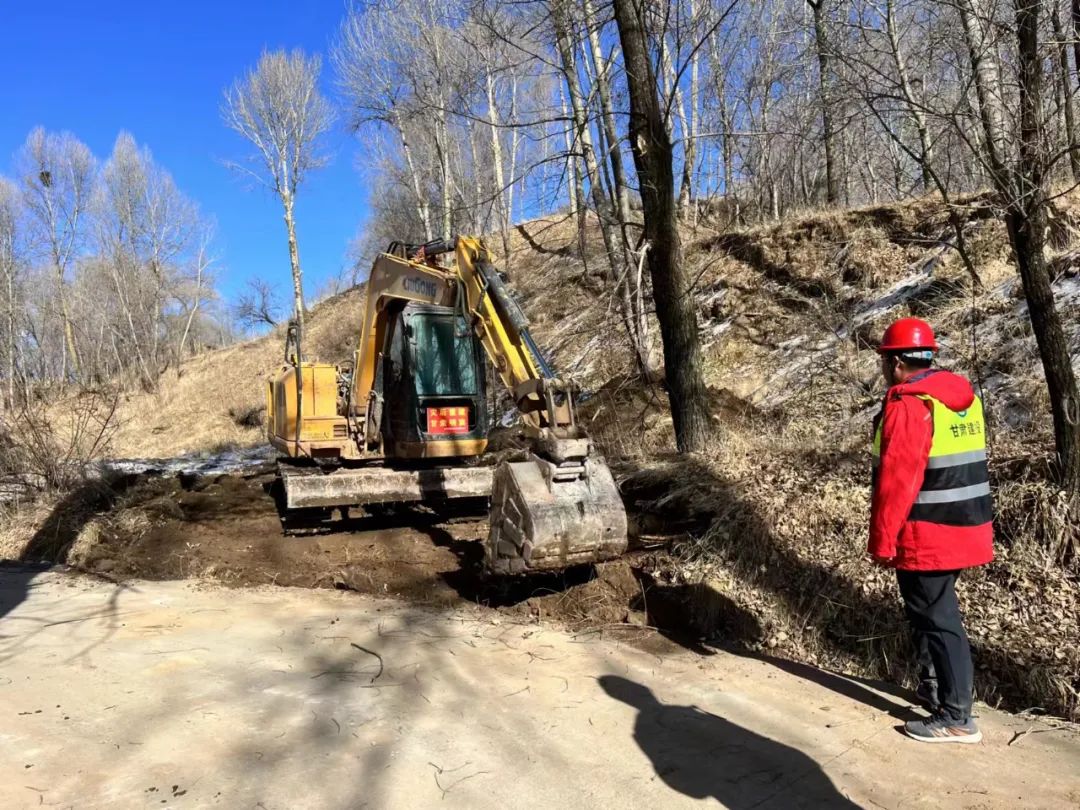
x=218 y=398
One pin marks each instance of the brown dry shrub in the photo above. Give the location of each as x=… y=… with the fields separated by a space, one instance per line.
x=1034 y=517
x=50 y=448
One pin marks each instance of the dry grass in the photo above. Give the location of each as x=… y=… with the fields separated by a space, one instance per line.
x=207 y=402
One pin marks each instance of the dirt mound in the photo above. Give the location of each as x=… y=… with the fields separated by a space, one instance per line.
x=225 y=528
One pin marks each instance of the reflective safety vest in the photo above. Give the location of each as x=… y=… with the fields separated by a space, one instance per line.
x=956 y=486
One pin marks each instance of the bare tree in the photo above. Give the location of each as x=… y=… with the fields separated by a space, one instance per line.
x=376 y=88
x=11 y=262
x=1026 y=219
x=194 y=291
x=1065 y=88
x=823 y=50
x=58 y=173
x=278 y=108
x=152 y=244
x=258 y=304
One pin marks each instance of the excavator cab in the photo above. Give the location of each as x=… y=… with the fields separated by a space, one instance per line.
x=432 y=375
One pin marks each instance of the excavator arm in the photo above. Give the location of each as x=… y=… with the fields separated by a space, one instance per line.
x=560 y=505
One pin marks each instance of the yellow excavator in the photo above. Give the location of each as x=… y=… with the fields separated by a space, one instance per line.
x=409 y=420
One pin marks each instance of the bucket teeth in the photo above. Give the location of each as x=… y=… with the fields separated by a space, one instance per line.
x=549 y=516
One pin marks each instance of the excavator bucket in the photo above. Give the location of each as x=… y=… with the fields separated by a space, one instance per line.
x=547 y=515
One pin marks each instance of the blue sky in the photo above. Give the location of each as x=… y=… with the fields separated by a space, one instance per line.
x=158 y=70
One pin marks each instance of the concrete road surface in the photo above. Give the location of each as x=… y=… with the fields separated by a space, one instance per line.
x=156 y=694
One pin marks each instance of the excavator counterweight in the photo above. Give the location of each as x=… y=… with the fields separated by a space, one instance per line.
x=409 y=422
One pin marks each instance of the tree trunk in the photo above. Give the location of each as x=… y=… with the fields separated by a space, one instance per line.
x=1065 y=86
x=423 y=208
x=675 y=308
x=727 y=150
x=678 y=106
x=10 y=279
x=294 y=261
x=478 y=222
x=821 y=48
x=985 y=72
x=196 y=300
x=582 y=132
x=1076 y=37
x=691 y=123
x=618 y=258
x=573 y=185
x=607 y=116
x=442 y=148
x=1026 y=218
x=631 y=295
x=915 y=109
x=514 y=139
x=497 y=159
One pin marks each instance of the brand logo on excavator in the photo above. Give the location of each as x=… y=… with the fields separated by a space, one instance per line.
x=420 y=285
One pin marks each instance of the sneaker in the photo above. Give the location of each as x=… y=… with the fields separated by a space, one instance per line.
x=942 y=729
x=927 y=696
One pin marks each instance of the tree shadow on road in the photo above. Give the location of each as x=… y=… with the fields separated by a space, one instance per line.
x=702 y=755
x=836 y=613
x=704 y=620
x=16 y=580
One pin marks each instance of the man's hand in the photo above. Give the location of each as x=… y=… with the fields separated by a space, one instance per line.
x=884 y=562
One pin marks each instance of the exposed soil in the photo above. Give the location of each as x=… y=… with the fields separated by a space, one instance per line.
x=226 y=528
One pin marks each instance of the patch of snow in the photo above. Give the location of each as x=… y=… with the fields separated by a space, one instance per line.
x=227 y=461
x=904 y=290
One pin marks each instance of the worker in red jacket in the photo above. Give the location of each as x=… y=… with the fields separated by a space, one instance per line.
x=931 y=516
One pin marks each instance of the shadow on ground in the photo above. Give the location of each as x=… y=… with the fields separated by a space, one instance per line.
x=16 y=580
x=702 y=755
x=53 y=540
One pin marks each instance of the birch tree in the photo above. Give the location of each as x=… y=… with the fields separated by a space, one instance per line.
x=278 y=108
x=58 y=174
x=11 y=267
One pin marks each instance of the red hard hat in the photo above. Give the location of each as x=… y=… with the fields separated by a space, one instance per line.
x=908 y=333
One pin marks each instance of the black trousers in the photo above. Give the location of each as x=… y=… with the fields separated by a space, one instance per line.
x=940 y=640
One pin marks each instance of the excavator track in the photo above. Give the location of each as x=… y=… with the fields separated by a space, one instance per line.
x=308 y=491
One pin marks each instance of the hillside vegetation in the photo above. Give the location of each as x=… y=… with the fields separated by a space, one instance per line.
x=775 y=512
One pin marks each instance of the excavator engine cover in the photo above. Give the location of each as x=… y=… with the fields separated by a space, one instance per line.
x=547 y=515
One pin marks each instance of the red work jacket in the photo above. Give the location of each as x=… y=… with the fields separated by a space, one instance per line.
x=897 y=536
